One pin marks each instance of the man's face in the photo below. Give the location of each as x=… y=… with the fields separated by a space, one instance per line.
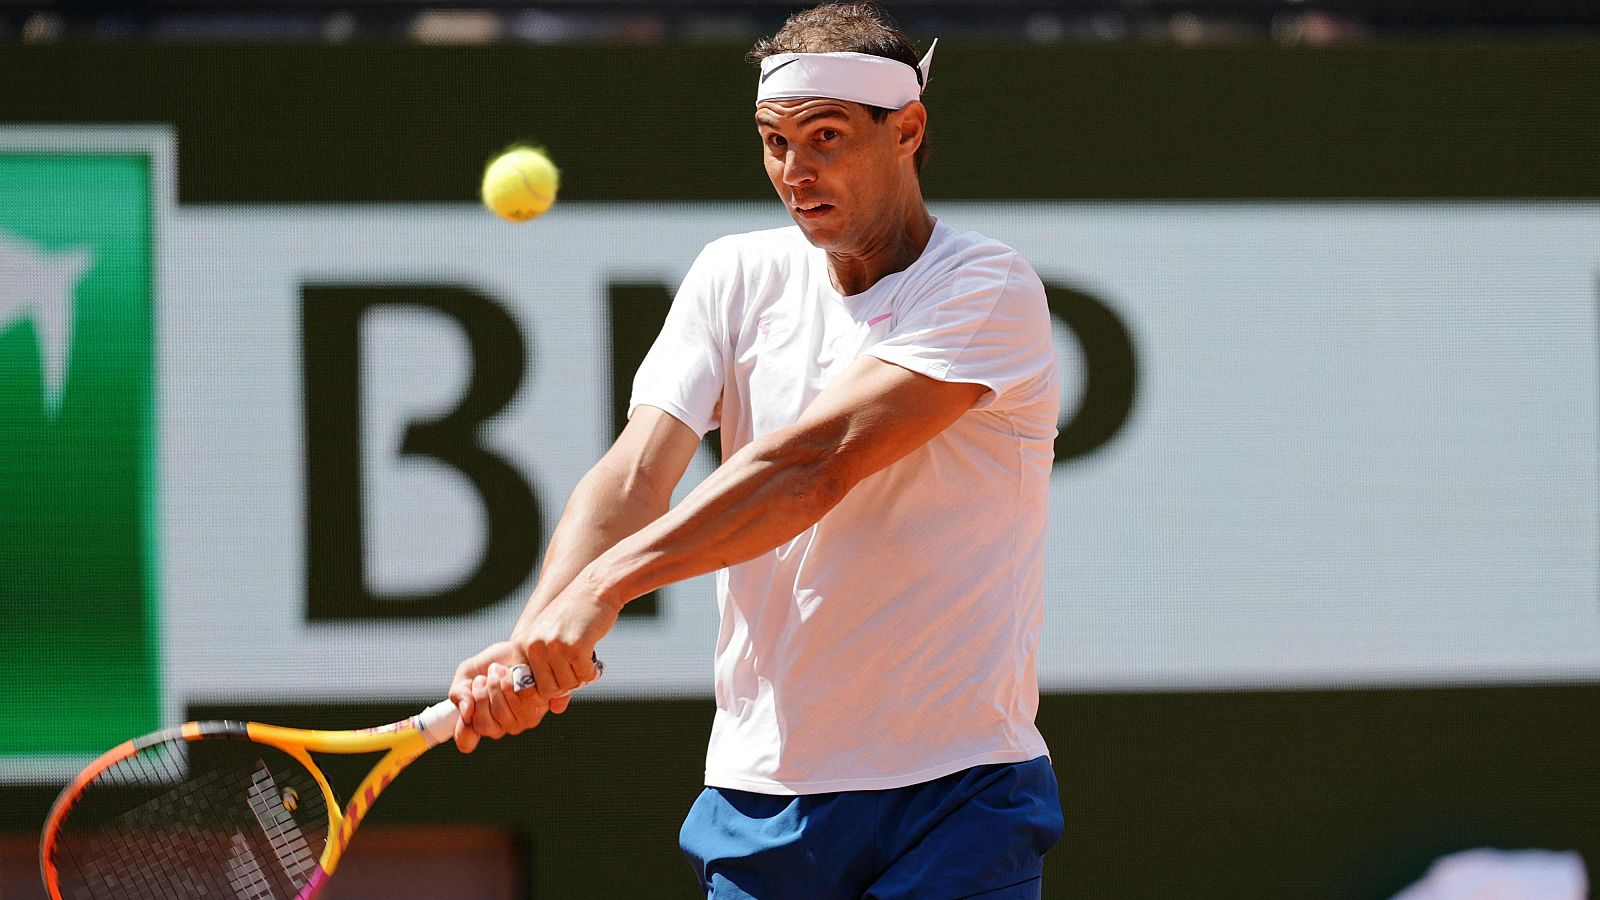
x=838 y=173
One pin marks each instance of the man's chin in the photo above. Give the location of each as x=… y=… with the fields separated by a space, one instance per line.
x=820 y=234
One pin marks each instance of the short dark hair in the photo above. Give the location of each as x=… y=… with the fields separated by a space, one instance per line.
x=845 y=28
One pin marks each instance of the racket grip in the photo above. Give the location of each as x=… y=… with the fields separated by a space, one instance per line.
x=438 y=722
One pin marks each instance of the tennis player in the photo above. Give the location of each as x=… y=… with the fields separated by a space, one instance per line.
x=886 y=391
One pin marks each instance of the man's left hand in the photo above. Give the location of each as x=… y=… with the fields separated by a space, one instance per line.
x=486 y=697
x=559 y=642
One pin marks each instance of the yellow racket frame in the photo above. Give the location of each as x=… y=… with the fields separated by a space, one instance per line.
x=404 y=741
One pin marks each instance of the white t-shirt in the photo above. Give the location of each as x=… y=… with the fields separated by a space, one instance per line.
x=894 y=641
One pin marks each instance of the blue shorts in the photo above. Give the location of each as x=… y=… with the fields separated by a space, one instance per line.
x=980 y=832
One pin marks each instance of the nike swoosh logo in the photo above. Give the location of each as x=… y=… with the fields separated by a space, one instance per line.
x=768 y=74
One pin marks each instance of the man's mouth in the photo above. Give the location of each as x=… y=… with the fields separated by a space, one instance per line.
x=812 y=210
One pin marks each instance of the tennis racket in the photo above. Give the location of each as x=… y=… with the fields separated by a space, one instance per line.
x=223 y=809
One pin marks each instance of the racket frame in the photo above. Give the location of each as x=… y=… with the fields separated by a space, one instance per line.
x=404 y=740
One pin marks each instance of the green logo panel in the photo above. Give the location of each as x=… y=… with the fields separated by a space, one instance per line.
x=79 y=641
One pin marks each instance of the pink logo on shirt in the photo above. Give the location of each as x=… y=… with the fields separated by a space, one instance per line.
x=876 y=319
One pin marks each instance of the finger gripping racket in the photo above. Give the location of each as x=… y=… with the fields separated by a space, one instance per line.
x=222 y=809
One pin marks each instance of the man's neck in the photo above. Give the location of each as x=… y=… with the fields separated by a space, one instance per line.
x=901 y=242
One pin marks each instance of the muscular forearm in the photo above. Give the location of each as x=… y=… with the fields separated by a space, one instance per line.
x=779 y=485
x=762 y=496
x=604 y=508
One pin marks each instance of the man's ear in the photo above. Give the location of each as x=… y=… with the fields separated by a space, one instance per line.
x=911 y=124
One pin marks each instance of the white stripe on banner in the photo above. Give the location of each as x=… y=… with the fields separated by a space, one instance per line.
x=1362 y=448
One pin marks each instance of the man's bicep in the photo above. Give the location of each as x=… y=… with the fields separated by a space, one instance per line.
x=876 y=412
x=654 y=450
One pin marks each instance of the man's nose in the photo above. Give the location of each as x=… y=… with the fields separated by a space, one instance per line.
x=798 y=172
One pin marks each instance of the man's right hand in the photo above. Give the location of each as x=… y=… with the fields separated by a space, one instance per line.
x=487 y=699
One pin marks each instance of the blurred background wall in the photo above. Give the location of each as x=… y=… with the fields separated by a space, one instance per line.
x=1324 y=574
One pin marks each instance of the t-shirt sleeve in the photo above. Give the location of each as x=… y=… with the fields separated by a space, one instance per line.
x=987 y=323
x=684 y=370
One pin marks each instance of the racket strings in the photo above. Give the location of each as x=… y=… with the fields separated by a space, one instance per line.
x=145 y=851
x=220 y=817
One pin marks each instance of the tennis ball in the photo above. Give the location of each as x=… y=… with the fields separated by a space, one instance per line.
x=520 y=184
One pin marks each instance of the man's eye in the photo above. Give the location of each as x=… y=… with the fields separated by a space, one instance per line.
x=827 y=134
x=776 y=141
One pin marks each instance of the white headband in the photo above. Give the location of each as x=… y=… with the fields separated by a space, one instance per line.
x=858 y=77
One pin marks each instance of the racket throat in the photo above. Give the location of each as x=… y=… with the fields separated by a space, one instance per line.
x=341 y=828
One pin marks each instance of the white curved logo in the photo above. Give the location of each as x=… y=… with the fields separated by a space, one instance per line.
x=40 y=285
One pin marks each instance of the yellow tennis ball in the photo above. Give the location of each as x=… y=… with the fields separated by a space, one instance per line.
x=520 y=184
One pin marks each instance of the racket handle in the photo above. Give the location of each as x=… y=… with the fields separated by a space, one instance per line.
x=438 y=722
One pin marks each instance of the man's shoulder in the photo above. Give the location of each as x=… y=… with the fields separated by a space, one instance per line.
x=968 y=253
x=967 y=246
x=756 y=246
x=734 y=269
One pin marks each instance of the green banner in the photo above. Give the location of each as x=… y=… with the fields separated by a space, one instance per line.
x=77 y=561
